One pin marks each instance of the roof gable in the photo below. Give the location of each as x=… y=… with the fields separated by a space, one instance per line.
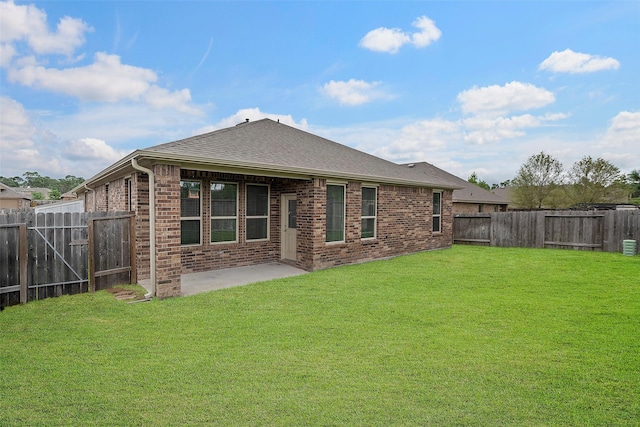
x=266 y=143
x=7 y=192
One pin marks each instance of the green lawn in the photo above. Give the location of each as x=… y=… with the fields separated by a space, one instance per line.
x=466 y=336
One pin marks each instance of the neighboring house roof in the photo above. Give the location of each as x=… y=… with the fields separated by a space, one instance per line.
x=266 y=147
x=469 y=193
x=504 y=192
x=30 y=191
x=7 y=192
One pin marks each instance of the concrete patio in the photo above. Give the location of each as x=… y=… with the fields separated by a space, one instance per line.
x=205 y=281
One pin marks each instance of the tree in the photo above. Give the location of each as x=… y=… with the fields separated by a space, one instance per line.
x=35 y=180
x=16 y=181
x=596 y=181
x=503 y=184
x=474 y=180
x=37 y=196
x=54 y=195
x=68 y=183
x=536 y=181
x=634 y=180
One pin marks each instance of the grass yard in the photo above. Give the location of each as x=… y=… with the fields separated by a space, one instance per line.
x=466 y=336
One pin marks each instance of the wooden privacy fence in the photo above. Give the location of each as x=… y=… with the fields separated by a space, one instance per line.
x=586 y=230
x=53 y=254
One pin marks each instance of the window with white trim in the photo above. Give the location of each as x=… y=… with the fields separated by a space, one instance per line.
x=437 y=211
x=335 y=213
x=224 y=212
x=369 y=207
x=257 y=220
x=190 y=213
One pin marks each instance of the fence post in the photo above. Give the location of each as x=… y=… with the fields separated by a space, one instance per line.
x=92 y=261
x=492 y=222
x=541 y=223
x=24 y=285
x=132 y=249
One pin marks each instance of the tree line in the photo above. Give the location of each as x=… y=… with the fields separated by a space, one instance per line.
x=57 y=187
x=542 y=181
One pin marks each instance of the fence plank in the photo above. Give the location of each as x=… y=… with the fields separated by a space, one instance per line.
x=92 y=261
x=24 y=285
x=47 y=255
x=583 y=230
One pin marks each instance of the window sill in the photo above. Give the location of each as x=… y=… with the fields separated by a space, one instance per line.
x=230 y=242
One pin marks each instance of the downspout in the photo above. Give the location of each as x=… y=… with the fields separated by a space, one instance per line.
x=152 y=225
x=94 y=196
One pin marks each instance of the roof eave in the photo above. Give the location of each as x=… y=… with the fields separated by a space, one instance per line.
x=251 y=168
x=248 y=168
x=115 y=169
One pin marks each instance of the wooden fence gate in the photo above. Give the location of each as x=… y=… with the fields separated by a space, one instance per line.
x=54 y=254
x=587 y=230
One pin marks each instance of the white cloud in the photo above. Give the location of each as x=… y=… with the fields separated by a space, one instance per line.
x=106 y=80
x=624 y=131
x=158 y=98
x=569 y=61
x=498 y=100
x=418 y=139
x=20 y=142
x=252 y=114
x=352 y=92
x=28 y=23
x=390 y=40
x=93 y=149
x=385 y=40
x=484 y=129
x=428 y=34
x=16 y=129
x=28 y=146
x=7 y=52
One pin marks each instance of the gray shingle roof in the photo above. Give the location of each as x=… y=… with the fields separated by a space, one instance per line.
x=7 y=192
x=470 y=192
x=266 y=143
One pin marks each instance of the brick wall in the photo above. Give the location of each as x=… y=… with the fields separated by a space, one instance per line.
x=404 y=225
x=211 y=256
x=140 y=202
x=168 y=263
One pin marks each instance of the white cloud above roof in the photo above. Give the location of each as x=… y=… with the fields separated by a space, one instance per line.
x=496 y=100
x=93 y=149
x=623 y=131
x=417 y=139
x=483 y=129
x=26 y=43
x=569 y=61
x=29 y=24
x=390 y=40
x=253 y=114
x=107 y=79
x=352 y=92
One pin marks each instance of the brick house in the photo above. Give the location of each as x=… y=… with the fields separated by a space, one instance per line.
x=263 y=191
x=468 y=197
x=12 y=198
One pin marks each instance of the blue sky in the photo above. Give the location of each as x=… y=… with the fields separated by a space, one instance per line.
x=468 y=86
